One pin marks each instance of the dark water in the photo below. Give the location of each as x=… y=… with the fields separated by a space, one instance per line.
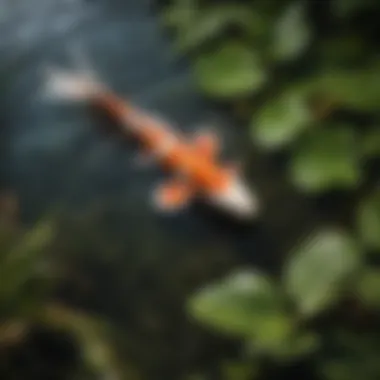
x=56 y=154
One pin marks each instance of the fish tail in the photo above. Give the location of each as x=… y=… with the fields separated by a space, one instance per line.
x=81 y=84
x=72 y=86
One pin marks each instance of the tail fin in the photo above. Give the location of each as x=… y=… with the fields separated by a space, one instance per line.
x=68 y=85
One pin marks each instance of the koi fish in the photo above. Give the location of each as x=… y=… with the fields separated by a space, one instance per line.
x=193 y=163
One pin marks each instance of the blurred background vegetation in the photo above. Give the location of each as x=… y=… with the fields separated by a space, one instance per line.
x=303 y=78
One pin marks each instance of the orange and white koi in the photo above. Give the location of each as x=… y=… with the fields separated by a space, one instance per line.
x=196 y=170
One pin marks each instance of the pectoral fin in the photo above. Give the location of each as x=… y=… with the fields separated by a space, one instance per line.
x=172 y=196
x=207 y=143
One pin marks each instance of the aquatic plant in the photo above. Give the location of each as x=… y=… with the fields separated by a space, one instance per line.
x=29 y=276
x=304 y=77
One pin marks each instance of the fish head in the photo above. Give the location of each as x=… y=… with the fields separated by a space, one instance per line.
x=236 y=198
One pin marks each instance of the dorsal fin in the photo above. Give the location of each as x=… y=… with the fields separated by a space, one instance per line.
x=207 y=143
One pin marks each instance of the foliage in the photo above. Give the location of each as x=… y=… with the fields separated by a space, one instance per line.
x=309 y=76
x=28 y=277
x=245 y=71
x=281 y=120
x=310 y=82
x=291 y=33
x=263 y=61
x=23 y=255
x=247 y=305
x=326 y=159
x=317 y=269
x=139 y=296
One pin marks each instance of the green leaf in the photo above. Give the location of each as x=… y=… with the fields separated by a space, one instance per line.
x=208 y=26
x=358 y=89
x=24 y=272
x=245 y=304
x=34 y=240
x=369 y=221
x=368 y=288
x=211 y=22
x=291 y=33
x=300 y=345
x=229 y=71
x=24 y=258
x=281 y=121
x=325 y=159
x=181 y=13
x=317 y=270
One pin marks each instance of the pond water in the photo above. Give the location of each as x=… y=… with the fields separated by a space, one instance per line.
x=56 y=155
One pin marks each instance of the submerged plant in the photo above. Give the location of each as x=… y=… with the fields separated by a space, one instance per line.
x=29 y=275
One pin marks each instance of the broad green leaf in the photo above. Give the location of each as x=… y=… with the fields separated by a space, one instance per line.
x=34 y=240
x=280 y=121
x=357 y=89
x=368 y=288
x=368 y=220
x=326 y=159
x=291 y=33
x=229 y=71
x=245 y=304
x=24 y=258
x=300 y=345
x=370 y=143
x=181 y=13
x=317 y=269
x=211 y=22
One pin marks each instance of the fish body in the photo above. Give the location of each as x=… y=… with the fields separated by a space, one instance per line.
x=193 y=163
